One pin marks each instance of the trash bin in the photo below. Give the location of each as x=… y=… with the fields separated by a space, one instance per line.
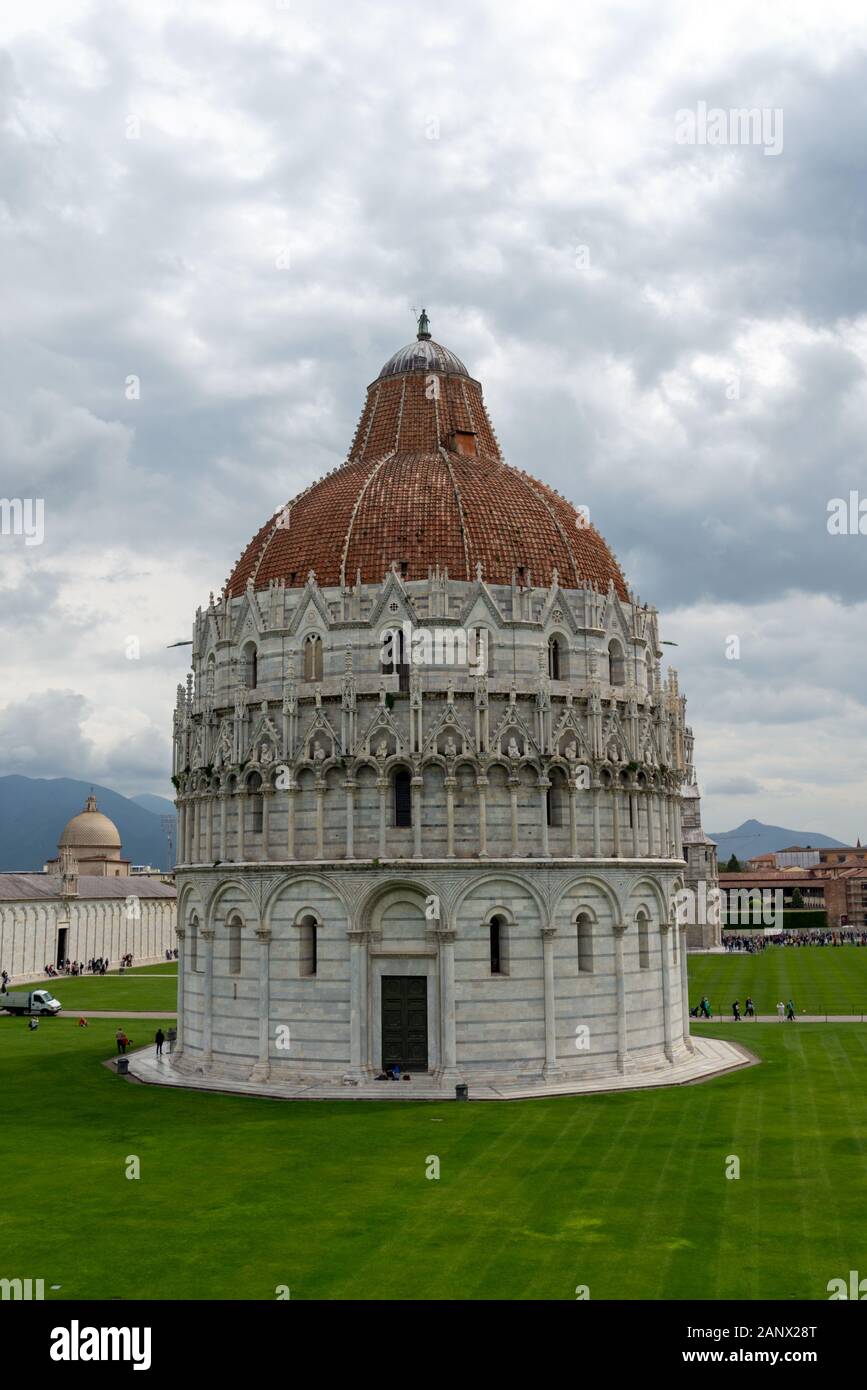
x=123 y=1066
x=462 y=1091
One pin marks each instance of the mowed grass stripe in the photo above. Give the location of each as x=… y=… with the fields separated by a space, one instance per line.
x=624 y=1193
x=820 y=979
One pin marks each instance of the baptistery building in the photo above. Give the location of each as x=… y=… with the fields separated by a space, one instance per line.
x=429 y=778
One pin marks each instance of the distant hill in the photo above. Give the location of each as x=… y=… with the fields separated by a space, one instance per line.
x=158 y=805
x=753 y=837
x=34 y=810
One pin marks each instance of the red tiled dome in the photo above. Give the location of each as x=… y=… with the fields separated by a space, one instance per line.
x=425 y=485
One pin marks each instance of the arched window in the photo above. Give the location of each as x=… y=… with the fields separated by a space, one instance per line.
x=554 y=658
x=194 y=942
x=555 y=799
x=616 y=663
x=402 y=798
x=251 y=666
x=235 y=925
x=497 y=934
x=394 y=657
x=313 y=658
x=254 y=784
x=309 y=951
x=643 y=941
x=584 y=928
x=481 y=652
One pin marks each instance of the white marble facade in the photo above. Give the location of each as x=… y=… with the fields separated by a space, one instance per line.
x=342 y=822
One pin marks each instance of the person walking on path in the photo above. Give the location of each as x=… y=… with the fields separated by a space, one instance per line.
x=790 y=1012
x=120 y=1039
x=172 y=1037
x=705 y=1006
x=159 y=1039
x=736 y=1011
x=749 y=1009
x=781 y=1011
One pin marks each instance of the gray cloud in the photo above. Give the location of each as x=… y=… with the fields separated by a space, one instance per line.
x=700 y=384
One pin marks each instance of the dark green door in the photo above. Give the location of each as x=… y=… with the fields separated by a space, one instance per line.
x=404 y=1021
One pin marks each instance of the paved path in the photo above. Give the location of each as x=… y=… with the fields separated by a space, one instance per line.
x=773 y=1018
x=113 y=1013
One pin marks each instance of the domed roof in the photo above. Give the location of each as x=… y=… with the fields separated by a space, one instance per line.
x=90 y=829
x=425 y=485
x=424 y=355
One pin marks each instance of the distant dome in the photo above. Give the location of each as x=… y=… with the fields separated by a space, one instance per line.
x=90 y=829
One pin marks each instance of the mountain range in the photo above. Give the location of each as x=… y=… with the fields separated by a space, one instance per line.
x=754 y=837
x=34 y=810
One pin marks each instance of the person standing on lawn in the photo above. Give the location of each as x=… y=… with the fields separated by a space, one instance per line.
x=159 y=1040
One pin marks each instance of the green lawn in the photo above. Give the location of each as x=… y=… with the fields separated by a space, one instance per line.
x=114 y=992
x=820 y=979
x=624 y=1193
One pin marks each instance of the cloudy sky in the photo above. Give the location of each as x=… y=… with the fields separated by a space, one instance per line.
x=239 y=204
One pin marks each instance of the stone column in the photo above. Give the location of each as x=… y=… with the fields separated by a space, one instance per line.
x=513 y=793
x=358 y=1003
x=320 y=820
x=684 y=989
x=207 y=935
x=265 y=853
x=261 y=1069
x=349 y=788
x=181 y=832
x=450 y=816
x=209 y=829
x=224 y=826
x=241 y=800
x=382 y=784
x=417 y=785
x=573 y=821
x=291 y=792
x=615 y=815
x=543 y=807
x=665 y=951
x=636 y=828
x=678 y=833
x=482 y=787
x=651 y=827
x=549 y=934
x=181 y=933
x=448 y=1035
x=620 y=992
x=597 y=834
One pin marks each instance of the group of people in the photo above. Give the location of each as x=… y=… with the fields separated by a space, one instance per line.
x=160 y=1040
x=171 y=955
x=783 y=1010
x=703 y=1010
x=759 y=942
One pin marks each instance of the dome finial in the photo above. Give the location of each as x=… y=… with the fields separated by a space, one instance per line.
x=423 y=326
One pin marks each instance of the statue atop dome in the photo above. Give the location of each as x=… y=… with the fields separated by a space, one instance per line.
x=423 y=334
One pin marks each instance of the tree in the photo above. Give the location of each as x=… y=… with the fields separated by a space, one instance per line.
x=734 y=866
x=797 y=898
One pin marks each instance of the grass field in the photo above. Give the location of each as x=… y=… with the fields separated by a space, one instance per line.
x=116 y=992
x=624 y=1193
x=820 y=979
